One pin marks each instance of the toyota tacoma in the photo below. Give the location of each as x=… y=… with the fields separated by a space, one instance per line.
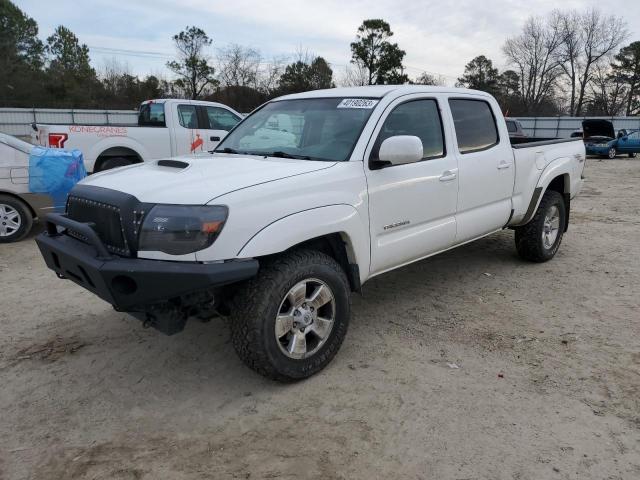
x=304 y=201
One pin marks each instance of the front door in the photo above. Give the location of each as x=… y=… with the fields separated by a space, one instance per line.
x=630 y=143
x=219 y=121
x=486 y=168
x=412 y=207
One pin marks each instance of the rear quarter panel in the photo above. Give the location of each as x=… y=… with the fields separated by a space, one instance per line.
x=537 y=166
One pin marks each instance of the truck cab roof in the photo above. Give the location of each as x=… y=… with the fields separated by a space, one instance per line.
x=379 y=91
x=183 y=101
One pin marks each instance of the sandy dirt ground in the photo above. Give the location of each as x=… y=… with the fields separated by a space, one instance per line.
x=469 y=365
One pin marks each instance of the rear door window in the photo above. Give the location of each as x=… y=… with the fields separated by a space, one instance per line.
x=475 y=125
x=188 y=116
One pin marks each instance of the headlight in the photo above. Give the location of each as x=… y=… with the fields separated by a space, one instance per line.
x=181 y=229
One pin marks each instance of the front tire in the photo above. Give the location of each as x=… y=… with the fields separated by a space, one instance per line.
x=289 y=322
x=539 y=240
x=15 y=219
x=612 y=153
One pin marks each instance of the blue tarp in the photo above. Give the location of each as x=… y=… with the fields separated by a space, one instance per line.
x=54 y=172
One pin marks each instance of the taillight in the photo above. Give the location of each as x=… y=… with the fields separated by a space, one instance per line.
x=56 y=140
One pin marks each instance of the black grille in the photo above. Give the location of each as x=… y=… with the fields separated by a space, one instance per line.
x=106 y=220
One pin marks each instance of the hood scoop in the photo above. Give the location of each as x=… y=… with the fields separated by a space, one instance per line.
x=173 y=164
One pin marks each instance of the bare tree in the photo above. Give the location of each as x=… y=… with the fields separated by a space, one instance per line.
x=578 y=43
x=238 y=66
x=269 y=75
x=534 y=54
x=570 y=49
x=355 y=75
x=112 y=71
x=607 y=93
x=426 y=78
x=601 y=35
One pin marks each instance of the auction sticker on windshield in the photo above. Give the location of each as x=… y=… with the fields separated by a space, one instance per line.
x=358 y=103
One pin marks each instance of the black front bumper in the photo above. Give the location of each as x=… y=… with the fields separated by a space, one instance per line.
x=129 y=284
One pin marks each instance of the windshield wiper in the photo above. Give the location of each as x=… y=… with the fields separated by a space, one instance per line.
x=226 y=150
x=280 y=154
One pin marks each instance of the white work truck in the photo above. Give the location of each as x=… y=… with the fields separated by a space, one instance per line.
x=308 y=198
x=166 y=128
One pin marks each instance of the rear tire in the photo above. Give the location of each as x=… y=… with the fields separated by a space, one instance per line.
x=633 y=155
x=539 y=240
x=273 y=327
x=114 y=162
x=16 y=219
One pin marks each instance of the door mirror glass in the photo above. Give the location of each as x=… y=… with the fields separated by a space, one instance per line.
x=401 y=149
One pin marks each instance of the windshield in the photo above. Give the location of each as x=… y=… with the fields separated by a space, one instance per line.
x=310 y=129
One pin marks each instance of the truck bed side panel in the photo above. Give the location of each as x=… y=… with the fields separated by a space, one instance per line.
x=92 y=140
x=532 y=159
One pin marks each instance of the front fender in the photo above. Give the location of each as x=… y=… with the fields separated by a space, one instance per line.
x=299 y=227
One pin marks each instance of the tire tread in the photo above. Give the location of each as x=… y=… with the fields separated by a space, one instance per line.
x=254 y=298
x=527 y=237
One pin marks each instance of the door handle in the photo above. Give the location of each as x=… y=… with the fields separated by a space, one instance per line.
x=214 y=139
x=448 y=176
x=503 y=165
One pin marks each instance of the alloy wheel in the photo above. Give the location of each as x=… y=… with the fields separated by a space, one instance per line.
x=551 y=227
x=10 y=220
x=305 y=318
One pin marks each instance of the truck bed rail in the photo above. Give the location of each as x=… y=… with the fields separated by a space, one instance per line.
x=527 y=142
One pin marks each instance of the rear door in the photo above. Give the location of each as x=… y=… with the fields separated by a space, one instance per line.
x=486 y=168
x=188 y=130
x=219 y=121
x=411 y=207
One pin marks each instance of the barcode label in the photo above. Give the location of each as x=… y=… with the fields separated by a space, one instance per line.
x=358 y=103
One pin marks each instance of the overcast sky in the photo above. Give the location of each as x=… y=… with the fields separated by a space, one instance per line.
x=438 y=36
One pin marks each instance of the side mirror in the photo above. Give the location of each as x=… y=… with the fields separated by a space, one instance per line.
x=401 y=149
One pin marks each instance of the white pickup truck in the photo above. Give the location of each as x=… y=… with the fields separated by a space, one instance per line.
x=165 y=128
x=308 y=198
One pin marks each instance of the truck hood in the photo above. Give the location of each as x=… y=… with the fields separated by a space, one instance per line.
x=198 y=180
